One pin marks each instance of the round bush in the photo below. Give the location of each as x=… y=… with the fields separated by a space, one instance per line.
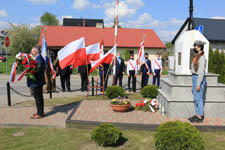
x=177 y=135
x=150 y=91
x=106 y=135
x=114 y=92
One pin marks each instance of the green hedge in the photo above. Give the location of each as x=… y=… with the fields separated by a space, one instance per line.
x=150 y=91
x=217 y=64
x=177 y=135
x=106 y=135
x=115 y=91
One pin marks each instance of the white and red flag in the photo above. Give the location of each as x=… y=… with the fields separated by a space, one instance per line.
x=107 y=58
x=73 y=54
x=141 y=54
x=101 y=48
x=93 y=53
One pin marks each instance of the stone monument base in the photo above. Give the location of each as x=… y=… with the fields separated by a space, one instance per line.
x=176 y=99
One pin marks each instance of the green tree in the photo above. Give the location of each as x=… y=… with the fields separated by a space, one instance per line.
x=170 y=48
x=23 y=37
x=49 y=19
x=125 y=55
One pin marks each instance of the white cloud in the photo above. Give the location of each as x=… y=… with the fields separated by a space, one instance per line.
x=145 y=20
x=127 y=8
x=166 y=35
x=3 y=13
x=175 y=21
x=38 y=2
x=218 y=17
x=82 y=4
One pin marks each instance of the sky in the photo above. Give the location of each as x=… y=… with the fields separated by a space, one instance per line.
x=165 y=17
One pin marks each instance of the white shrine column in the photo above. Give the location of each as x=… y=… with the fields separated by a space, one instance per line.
x=183 y=47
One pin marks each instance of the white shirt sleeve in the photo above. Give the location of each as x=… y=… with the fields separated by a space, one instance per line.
x=128 y=66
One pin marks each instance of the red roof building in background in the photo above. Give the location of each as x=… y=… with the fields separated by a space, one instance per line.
x=59 y=36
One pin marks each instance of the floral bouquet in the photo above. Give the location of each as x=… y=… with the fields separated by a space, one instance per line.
x=26 y=64
x=148 y=105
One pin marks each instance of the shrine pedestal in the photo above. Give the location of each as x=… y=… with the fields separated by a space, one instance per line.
x=176 y=99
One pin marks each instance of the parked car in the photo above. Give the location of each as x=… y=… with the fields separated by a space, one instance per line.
x=2 y=59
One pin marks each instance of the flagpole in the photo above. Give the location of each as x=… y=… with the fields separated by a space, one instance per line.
x=139 y=60
x=116 y=28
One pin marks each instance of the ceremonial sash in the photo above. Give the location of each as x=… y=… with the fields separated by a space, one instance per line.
x=157 y=63
x=146 y=67
x=132 y=65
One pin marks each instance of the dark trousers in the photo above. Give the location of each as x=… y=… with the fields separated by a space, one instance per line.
x=65 y=80
x=120 y=77
x=84 y=81
x=132 y=75
x=38 y=96
x=101 y=80
x=156 y=77
x=144 y=80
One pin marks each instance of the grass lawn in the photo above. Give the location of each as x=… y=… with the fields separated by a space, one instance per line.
x=42 y=138
x=62 y=101
x=11 y=59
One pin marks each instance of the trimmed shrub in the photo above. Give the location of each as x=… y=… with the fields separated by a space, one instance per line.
x=106 y=135
x=114 y=92
x=177 y=135
x=150 y=91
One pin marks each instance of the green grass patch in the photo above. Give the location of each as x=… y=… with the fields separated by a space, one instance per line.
x=63 y=101
x=41 y=138
x=11 y=59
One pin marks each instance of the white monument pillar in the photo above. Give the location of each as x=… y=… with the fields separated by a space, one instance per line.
x=183 y=47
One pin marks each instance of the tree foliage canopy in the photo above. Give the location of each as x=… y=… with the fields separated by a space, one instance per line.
x=49 y=19
x=23 y=37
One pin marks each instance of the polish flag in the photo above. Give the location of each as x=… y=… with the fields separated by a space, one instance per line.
x=141 y=54
x=92 y=52
x=101 y=48
x=107 y=58
x=73 y=54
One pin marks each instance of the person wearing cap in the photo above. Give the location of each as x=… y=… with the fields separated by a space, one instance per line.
x=132 y=72
x=157 y=69
x=198 y=68
x=146 y=71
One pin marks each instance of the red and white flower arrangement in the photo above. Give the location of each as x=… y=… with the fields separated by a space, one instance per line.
x=26 y=64
x=148 y=105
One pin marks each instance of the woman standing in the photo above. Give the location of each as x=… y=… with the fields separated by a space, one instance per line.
x=198 y=67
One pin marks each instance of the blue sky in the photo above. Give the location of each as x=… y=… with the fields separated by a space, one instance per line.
x=164 y=16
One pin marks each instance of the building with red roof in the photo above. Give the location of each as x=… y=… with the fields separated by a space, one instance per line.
x=128 y=39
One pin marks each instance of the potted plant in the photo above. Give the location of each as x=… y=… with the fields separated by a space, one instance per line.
x=120 y=104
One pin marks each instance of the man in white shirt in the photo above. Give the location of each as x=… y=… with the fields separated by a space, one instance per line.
x=157 y=69
x=132 y=72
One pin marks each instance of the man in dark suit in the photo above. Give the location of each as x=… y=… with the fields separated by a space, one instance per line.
x=36 y=86
x=65 y=78
x=120 y=69
x=83 y=71
x=107 y=71
x=146 y=71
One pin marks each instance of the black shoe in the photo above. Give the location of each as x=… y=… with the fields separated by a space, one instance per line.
x=69 y=90
x=196 y=120
x=63 y=90
x=191 y=118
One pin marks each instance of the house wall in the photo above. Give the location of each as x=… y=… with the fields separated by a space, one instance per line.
x=151 y=52
x=218 y=45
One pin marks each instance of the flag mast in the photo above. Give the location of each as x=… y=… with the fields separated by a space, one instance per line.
x=115 y=41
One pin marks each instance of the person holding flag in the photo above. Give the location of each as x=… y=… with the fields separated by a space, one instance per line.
x=157 y=69
x=146 y=71
x=132 y=72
